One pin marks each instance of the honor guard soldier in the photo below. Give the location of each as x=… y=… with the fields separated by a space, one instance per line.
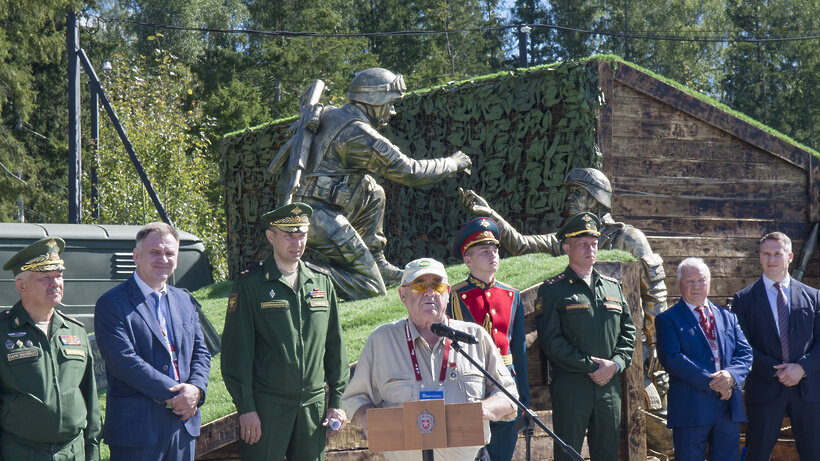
x=497 y=307
x=586 y=331
x=48 y=396
x=282 y=344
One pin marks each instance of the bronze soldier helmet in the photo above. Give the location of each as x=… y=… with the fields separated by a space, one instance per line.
x=594 y=182
x=376 y=86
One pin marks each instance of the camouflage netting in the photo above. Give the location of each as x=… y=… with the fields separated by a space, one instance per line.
x=524 y=131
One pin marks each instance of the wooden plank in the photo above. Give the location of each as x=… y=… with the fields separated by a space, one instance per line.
x=814 y=190
x=719 y=227
x=673 y=207
x=218 y=433
x=385 y=428
x=719 y=118
x=461 y=419
x=722 y=170
x=627 y=188
x=691 y=130
x=715 y=247
x=603 y=122
x=728 y=149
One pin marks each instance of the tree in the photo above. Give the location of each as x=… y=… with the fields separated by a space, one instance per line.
x=32 y=133
x=777 y=83
x=170 y=135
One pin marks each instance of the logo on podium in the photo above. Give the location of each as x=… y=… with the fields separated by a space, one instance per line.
x=426 y=422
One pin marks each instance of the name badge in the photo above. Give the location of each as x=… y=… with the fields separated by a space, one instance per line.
x=431 y=393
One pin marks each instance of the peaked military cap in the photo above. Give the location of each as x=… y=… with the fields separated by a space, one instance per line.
x=583 y=224
x=294 y=217
x=41 y=256
x=478 y=231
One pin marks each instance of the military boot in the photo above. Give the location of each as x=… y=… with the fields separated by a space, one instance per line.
x=390 y=273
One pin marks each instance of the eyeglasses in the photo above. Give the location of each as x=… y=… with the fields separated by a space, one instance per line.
x=422 y=287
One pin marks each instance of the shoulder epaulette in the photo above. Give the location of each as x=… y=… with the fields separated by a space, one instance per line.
x=557 y=278
x=611 y=279
x=5 y=314
x=70 y=319
x=459 y=285
x=318 y=269
x=250 y=270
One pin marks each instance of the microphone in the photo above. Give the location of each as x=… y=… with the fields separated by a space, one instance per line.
x=443 y=330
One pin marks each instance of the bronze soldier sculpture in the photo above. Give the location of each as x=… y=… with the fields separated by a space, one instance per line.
x=588 y=189
x=334 y=153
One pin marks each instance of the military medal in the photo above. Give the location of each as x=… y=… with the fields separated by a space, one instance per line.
x=317 y=293
x=17 y=334
x=9 y=344
x=29 y=343
x=70 y=340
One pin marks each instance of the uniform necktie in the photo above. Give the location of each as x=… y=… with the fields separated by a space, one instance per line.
x=783 y=321
x=706 y=323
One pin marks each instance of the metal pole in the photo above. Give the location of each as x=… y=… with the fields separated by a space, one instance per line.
x=95 y=83
x=522 y=45
x=95 y=147
x=74 y=135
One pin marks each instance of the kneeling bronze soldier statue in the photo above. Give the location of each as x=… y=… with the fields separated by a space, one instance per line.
x=332 y=155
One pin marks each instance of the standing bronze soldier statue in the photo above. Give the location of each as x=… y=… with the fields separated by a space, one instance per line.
x=332 y=154
x=588 y=189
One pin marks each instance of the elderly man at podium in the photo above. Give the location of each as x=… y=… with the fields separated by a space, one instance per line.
x=406 y=361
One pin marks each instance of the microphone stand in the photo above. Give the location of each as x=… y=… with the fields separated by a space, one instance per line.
x=526 y=412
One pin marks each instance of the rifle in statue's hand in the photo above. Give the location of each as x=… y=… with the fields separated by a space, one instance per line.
x=297 y=149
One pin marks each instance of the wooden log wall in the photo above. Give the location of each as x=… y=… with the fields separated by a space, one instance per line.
x=700 y=182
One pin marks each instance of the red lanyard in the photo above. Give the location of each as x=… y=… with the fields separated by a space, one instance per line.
x=415 y=361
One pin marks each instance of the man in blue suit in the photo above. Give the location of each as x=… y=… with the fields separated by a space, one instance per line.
x=703 y=349
x=156 y=361
x=781 y=318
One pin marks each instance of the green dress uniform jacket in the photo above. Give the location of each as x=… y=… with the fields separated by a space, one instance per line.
x=577 y=322
x=281 y=346
x=48 y=396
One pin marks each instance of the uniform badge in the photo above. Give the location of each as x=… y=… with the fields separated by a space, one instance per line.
x=29 y=343
x=233 y=301
x=484 y=223
x=426 y=422
x=9 y=344
x=574 y=297
x=19 y=343
x=272 y=293
x=317 y=293
x=17 y=334
x=70 y=340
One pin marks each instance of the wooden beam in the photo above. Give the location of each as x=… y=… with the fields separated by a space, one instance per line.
x=712 y=115
x=603 y=123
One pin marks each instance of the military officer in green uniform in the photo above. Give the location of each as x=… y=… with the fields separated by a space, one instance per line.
x=48 y=397
x=281 y=345
x=586 y=331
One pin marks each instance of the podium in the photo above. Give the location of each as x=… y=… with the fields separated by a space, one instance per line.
x=425 y=425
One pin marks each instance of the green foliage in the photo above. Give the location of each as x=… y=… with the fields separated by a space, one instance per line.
x=169 y=133
x=524 y=131
x=777 y=83
x=32 y=109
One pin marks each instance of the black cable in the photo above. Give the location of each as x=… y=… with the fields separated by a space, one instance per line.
x=814 y=35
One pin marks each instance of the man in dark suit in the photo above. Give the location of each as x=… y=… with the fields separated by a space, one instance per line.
x=781 y=318
x=703 y=349
x=156 y=361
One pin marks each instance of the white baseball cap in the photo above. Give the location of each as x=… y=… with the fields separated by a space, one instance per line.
x=416 y=268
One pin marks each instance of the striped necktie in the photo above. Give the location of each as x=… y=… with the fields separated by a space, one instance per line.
x=783 y=321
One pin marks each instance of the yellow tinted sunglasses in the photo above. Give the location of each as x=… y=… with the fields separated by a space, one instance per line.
x=422 y=287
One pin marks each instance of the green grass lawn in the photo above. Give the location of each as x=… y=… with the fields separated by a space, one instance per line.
x=361 y=317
